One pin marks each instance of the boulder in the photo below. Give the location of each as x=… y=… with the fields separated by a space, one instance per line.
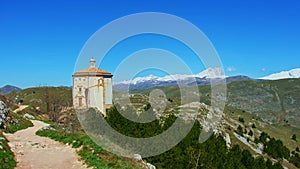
x=137 y=157
x=48 y=128
x=28 y=116
x=150 y=166
x=4 y=111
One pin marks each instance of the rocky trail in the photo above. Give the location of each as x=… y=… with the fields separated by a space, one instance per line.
x=35 y=152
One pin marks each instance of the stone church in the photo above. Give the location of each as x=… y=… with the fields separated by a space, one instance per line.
x=92 y=87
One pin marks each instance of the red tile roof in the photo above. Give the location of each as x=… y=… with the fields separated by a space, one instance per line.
x=93 y=71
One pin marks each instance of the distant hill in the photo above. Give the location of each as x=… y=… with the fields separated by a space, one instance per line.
x=8 y=89
x=43 y=97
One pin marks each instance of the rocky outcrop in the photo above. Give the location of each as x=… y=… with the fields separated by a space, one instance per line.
x=4 y=111
x=29 y=116
x=150 y=166
x=48 y=128
x=1 y=139
x=138 y=157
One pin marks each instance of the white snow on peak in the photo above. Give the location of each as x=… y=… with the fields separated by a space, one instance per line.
x=208 y=73
x=212 y=73
x=139 y=80
x=294 y=73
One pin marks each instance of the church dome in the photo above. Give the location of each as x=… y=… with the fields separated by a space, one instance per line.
x=93 y=71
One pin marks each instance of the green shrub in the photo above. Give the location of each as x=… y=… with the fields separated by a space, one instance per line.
x=19 y=123
x=6 y=155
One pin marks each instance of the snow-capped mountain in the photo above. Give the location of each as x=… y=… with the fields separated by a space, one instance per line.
x=294 y=73
x=202 y=78
x=208 y=73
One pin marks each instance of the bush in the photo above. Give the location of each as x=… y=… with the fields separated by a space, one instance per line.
x=294 y=137
x=6 y=155
x=241 y=120
x=250 y=133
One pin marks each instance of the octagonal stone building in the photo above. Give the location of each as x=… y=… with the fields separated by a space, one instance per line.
x=92 y=87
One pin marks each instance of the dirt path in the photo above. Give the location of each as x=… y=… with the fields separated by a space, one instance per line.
x=35 y=152
x=20 y=108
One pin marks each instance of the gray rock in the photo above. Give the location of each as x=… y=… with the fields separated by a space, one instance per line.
x=1 y=147
x=150 y=166
x=4 y=111
x=2 y=138
x=137 y=157
x=29 y=116
x=48 y=128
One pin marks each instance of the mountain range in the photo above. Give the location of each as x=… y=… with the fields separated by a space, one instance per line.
x=294 y=73
x=202 y=78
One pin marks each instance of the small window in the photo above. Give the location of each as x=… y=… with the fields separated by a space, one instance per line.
x=80 y=101
x=79 y=89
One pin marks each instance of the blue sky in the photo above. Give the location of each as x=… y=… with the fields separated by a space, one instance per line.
x=41 y=40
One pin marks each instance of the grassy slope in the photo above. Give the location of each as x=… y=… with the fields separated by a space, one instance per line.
x=277 y=100
x=36 y=96
x=272 y=101
x=278 y=131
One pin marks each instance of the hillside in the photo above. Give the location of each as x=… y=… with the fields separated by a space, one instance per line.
x=44 y=98
x=239 y=126
x=275 y=102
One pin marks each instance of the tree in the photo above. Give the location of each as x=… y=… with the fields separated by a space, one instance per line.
x=240 y=130
x=260 y=163
x=263 y=137
x=241 y=120
x=276 y=149
x=294 y=137
x=295 y=159
x=54 y=102
x=250 y=133
x=253 y=126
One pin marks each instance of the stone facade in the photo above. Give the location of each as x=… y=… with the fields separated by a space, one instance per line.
x=92 y=87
